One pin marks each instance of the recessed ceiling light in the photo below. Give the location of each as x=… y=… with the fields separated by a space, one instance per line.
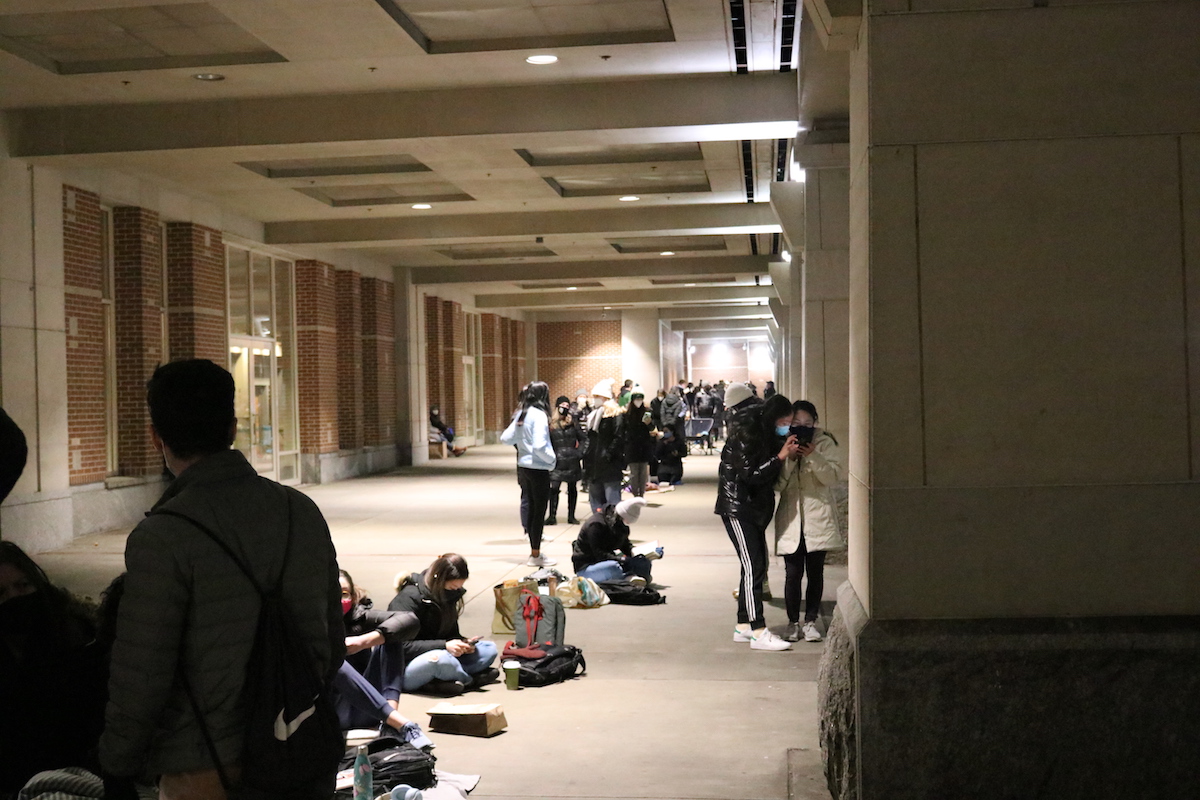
x=667 y=253
x=572 y=288
x=608 y=308
x=422 y=206
x=629 y=198
x=208 y=76
x=786 y=255
x=546 y=59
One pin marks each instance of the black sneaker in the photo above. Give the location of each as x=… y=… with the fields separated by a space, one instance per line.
x=440 y=688
x=551 y=521
x=489 y=675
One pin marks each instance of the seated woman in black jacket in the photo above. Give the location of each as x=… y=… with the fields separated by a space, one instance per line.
x=603 y=551
x=440 y=660
x=367 y=685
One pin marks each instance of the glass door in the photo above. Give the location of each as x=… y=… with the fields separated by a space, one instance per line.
x=252 y=363
x=469 y=397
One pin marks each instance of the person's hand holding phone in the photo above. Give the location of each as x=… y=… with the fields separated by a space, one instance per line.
x=789 y=449
x=457 y=647
x=806 y=450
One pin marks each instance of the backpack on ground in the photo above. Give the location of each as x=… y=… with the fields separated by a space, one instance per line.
x=540 y=620
x=293 y=742
x=626 y=592
x=558 y=663
x=393 y=762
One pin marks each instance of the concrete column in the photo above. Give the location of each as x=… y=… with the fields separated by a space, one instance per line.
x=1021 y=613
x=640 y=357
x=826 y=267
x=33 y=366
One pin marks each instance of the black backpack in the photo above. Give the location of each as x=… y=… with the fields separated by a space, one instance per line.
x=393 y=762
x=561 y=663
x=293 y=742
x=626 y=592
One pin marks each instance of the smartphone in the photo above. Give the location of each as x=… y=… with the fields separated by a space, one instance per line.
x=803 y=434
x=474 y=639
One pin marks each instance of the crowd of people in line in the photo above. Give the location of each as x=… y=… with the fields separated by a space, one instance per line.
x=614 y=441
x=148 y=682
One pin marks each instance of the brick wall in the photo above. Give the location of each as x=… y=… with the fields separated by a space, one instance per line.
x=196 y=298
x=731 y=362
x=577 y=355
x=495 y=401
x=349 y=360
x=454 y=338
x=86 y=403
x=317 y=356
x=434 y=363
x=138 y=290
x=378 y=360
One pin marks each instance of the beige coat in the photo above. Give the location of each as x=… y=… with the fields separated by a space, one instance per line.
x=808 y=504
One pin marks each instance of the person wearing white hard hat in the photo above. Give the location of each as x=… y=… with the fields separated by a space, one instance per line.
x=604 y=457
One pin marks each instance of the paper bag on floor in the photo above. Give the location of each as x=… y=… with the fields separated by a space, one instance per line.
x=484 y=719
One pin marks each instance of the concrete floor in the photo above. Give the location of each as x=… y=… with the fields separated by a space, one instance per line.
x=670 y=706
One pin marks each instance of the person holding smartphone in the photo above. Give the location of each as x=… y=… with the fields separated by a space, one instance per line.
x=808 y=520
x=440 y=659
x=639 y=441
x=751 y=461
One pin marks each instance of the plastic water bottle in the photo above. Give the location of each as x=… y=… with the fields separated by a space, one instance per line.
x=364 y=783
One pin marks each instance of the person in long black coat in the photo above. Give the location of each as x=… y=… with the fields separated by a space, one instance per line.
x=639 y=442
x=568 y=441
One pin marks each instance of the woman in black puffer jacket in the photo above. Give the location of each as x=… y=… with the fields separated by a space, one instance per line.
x=751 y=460
x=567 y=439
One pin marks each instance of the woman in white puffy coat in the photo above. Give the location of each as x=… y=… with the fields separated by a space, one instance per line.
x=808 y=521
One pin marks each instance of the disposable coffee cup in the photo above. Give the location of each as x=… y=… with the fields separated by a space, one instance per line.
x=512 y=674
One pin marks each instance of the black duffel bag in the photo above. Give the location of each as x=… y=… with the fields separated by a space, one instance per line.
x=393 y=762
x=626 y=592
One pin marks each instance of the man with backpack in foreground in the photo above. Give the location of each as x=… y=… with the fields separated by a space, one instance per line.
x=232 y=611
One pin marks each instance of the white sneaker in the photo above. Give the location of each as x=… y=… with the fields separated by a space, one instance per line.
x=811 y=634
x=637 y=580
x=768 y=641
x=541 y=560
x=740 y=635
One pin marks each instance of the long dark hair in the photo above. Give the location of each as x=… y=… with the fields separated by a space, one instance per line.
x=446 y=567
x=535 y=394
x=754 y=425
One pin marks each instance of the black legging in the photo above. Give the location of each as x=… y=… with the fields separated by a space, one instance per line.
x=794 y=567
x=572 y=497
x=535 y=494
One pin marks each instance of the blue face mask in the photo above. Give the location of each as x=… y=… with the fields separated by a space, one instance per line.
x=783 y=430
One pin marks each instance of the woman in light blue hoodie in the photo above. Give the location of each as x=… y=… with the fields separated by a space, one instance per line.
x=529 y=432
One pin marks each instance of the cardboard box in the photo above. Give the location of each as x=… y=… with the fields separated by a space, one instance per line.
x=484 y=719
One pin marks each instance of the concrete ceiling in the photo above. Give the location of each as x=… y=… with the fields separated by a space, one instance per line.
x=369 y=107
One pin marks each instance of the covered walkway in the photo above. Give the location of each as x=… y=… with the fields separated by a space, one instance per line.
x=670 y=707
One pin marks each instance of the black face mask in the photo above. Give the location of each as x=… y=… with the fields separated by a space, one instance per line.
x=24 y=614
x=564 y=411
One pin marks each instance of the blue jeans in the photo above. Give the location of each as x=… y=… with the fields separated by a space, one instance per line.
x=440 y=665
x=602 y=494
x=613 y=571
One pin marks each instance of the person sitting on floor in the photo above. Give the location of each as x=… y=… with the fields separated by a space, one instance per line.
x=603 y=551
x=670 y=450
x=367 y=685
x=439 y=431
x=43 y=632
x=441 y=660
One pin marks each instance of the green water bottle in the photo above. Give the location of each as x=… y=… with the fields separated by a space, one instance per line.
x=364 y=783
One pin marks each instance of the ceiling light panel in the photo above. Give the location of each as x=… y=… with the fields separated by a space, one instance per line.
x=464 y=26
x=612 y=154
x=595 y=183
x=131 y=38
